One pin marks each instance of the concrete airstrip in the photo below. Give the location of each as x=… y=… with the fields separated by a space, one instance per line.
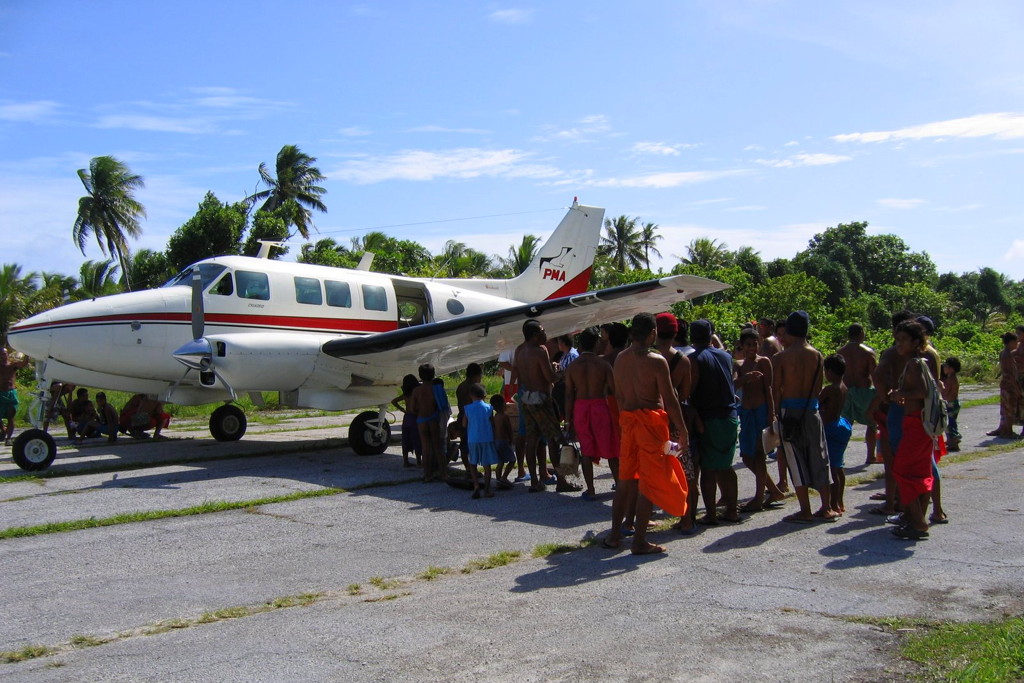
x=350 y=586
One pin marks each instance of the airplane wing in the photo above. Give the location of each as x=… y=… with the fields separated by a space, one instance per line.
x=452 y=344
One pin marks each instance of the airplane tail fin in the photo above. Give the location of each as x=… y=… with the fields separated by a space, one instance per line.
x=562 y=266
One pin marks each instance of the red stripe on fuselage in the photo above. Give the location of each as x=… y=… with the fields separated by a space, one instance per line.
x=577 y=285
x=272 y=322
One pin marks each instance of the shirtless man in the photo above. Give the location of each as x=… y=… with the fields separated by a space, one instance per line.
x=647 y=403
x=861 y=361
x=769 y=345
x=424 y=406
x=8 y=393
x=888 y=416
x=536 y=377
x=588 y=383
x=797 y=383
x=682 y=380
x=753 y=376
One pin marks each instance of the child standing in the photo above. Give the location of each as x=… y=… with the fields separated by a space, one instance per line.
x=480 y=435
x=837 y=428
x=503 y=439
x=410 y=432
x=951 y=395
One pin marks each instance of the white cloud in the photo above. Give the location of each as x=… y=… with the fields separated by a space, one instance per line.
x=1016 y=251
x=28 y=111
x=805 y=160
x=664 y=180
x=463 y=163
x=511 y=16
x=660 y=148
x=893 y=203
x=443 y=129
x=354 y=132
x=1002 y=126
x=586 y=128
x=160 y=124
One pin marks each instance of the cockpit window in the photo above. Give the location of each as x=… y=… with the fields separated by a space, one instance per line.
x=253 y=285
x=224 y=286
x=207 y=271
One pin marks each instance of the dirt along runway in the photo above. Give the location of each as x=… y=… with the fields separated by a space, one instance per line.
x=362 y=573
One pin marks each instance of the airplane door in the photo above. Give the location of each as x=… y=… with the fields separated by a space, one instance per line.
x=413 y=305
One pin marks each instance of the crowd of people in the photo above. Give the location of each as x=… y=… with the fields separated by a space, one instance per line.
x=668 y=408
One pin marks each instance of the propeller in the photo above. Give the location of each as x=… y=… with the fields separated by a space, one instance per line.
x=198 y=314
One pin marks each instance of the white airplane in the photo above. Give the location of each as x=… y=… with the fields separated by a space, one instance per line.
x=326 y=338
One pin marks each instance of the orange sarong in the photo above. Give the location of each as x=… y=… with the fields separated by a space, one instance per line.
x=662 y=480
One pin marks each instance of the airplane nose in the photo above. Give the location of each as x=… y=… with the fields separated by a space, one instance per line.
x=31 y=336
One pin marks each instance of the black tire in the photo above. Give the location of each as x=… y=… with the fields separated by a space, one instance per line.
x=363 y=436
x=34 y=450
x=228 y=423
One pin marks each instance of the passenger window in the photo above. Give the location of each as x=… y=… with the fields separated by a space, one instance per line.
x=375 y=298
x=338 y=294
x=253 y=285
x=307 y=291
x=224 y=287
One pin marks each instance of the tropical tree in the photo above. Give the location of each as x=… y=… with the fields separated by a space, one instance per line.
x=648 y=241
x=293 y=188
x=623 y=242
x=150 y=268
x=520 y=257
x=109 y=211
x=749 y=261
x=96 y=279
x=458 y=260
x=706 y=253
x=391 y=255
x=52 y=290
x=215 y=230
x=327 y=252
x=15 y=293
x=270 y=226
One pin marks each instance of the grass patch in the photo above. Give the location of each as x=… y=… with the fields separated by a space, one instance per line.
x=431 y=573
x=205 y=508
x=26 y=653
x=380 y=583
x=974 y=402
x=354 y=589
x=501 y=559
x=546 y=549
x=987 y=652
x=79 y=640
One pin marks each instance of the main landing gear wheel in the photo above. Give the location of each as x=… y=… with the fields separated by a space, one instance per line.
x=369 y=434
x=34 y=450
x=228 y=423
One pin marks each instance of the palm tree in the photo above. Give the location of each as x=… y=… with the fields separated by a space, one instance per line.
x=622 y=242
x=458 y=260
x=97 y=278
x=706 y=253
x=109 y=210
x=519 y=258
x=294 y=189
x=648 y=239
x=15 y=293
x=54 y=289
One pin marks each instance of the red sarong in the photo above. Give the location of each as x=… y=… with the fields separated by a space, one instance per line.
x=912 y=466
x=662 y=480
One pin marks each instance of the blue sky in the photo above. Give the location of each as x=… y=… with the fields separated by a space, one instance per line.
x=755 y=123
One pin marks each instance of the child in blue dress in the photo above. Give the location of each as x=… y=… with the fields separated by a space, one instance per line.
x=480 y=435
